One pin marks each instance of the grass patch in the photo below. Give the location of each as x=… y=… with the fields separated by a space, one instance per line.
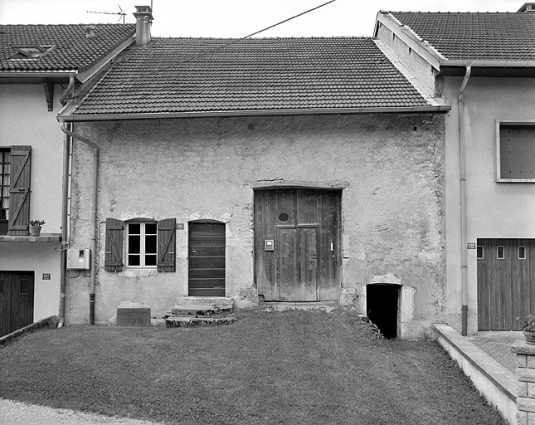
x=267 y=368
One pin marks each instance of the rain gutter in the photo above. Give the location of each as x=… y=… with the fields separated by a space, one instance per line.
x=93 y=219
x=62 y=117
x=462 y=185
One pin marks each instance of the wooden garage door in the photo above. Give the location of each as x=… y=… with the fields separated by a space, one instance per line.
x=206 y=259
x=297 y=244
x=505 y=282
x=16 y=300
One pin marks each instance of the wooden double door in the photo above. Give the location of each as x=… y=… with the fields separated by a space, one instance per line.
x=16 y=300
x=505 y=282
x=297 y=244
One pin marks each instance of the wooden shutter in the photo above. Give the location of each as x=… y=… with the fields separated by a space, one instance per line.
x=166 y=245
x=113 y=259
x=19 y=191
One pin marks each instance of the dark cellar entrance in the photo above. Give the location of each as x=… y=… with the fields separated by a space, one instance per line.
x=382 y=307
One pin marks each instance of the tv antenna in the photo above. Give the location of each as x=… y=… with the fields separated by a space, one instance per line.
x=121 y=13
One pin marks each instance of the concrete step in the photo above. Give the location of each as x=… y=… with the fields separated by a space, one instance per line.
x=202 y=306
x=295 y=305
x=192 y=321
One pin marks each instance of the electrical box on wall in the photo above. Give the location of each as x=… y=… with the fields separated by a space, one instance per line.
x=78 y=258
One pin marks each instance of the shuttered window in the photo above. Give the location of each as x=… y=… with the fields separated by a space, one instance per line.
x=140 y=244
x=19 y=190
x=516 y=153
x=5 y=155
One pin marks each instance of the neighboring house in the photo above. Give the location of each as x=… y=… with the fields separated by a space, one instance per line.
x=279 y=169
x=40 y=65
x=483 y=65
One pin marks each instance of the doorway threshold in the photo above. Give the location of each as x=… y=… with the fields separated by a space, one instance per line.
x=297 y=305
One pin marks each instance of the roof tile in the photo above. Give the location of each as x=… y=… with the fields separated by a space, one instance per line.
x=180 y=75
x=475 y=36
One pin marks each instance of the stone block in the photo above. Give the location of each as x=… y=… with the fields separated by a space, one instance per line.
x=133 y=317
x=522 y=418
x=526 y=404
x=530 y=389
x=525 y=375
x=522 y=389
x=530 y=361
x=521 y=360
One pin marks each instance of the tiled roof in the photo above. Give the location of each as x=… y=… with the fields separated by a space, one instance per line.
x=71 y=50
x=475 y=36
x=183 y=75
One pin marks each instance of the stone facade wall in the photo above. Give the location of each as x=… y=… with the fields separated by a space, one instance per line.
x=391 y=166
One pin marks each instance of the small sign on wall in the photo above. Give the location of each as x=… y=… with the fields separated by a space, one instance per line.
x=180 y=226
x=46 y=276
x=471 y=246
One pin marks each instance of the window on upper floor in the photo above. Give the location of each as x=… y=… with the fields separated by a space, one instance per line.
x=515 y=152
x=140 y=244
x=15 y=165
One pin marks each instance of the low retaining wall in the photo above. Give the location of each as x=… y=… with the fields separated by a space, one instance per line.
x=49 y=321
x=492 y=380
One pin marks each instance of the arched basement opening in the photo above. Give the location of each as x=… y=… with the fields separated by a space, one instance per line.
x=382 y=301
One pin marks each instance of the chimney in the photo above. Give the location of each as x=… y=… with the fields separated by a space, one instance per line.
x=144 y=18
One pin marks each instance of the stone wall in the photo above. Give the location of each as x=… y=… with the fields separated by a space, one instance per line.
x=391 y=167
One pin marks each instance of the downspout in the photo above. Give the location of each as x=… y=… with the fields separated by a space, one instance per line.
x=93 y=221
x=64 y=218
x=63 y=98
x=462 y=185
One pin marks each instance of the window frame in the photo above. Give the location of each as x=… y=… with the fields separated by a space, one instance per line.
x=142 y=248
x=509 y=123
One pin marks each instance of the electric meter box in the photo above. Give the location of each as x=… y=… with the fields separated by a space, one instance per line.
x=78 y=259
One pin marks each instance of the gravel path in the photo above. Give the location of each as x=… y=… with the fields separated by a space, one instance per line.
x=15 y=413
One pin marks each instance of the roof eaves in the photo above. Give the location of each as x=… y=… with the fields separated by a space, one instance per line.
x=38 y=74
x=411 y=38
x=488 y=63
x=65 y=116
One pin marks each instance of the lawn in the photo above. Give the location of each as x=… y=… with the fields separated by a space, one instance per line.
x=293 y=367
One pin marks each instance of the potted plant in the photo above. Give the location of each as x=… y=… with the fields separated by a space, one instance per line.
x=528 y=327
x=35 y=227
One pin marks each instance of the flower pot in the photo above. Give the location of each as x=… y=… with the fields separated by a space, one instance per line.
x=35 y=230
x=530 y=337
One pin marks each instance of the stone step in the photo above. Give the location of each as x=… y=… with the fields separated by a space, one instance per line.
x=202 y=306
x=191 y=321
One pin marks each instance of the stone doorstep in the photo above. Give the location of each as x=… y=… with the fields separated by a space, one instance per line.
x=202 y=306
x=185 y=321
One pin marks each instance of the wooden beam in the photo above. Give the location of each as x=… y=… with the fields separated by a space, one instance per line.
x=49 y=93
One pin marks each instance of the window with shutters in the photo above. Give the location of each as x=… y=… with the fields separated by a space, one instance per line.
x=515 y=152
x=140 y=244
x=15 y=167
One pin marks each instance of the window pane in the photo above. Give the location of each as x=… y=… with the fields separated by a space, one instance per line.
x=517 y=152
x=150 y=228
x=134 y=244
x=480 y=252
x=150 y=244
x=134 y=228
x=521 y=252
x=133 y=260
x=501 y=254
x=150 y=260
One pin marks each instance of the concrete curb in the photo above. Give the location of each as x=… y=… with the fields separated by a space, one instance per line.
x=48 y=321
x=496 y=383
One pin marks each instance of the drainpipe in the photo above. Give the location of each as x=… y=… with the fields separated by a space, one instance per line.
x=462 y=184
x=64 y=235
x=93 y=221
x=63 y=98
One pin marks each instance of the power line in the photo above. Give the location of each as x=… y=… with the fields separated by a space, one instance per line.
x=257 y=32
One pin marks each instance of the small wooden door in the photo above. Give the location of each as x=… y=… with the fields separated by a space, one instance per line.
x=16 y=300
x=206 y=259
x=505 y=282
x=297 y=244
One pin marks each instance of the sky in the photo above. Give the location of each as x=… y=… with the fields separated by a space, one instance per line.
x=239 y=18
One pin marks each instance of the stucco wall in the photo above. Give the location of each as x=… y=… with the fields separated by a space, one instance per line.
x=25 y=120
x=392 y=206
x=494 y=210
